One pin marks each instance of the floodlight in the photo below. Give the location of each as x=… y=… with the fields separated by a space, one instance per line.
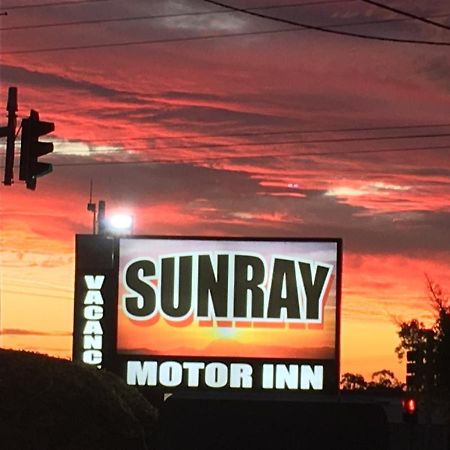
x=120 y=224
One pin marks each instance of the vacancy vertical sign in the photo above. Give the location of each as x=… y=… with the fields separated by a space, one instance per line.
x=95 y=313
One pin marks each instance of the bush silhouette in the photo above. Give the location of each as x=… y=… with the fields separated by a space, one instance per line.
x=53 y=404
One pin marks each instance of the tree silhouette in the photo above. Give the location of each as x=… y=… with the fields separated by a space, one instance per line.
x=381 y=380
x=385 y=379
x=353 y=381
x=433 y=347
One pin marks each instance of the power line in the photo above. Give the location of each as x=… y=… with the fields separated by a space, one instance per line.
x=203 y=13
x=113 y=20
x=326 y=30
x=227 y=35
x=79 y=2
x=206 y=37
x=406 y=14
x=143 y=42
x=50 y=4
x=272 y=133
x=231 y=157
x=165 y=16
x=259 y=156
x=299 y=141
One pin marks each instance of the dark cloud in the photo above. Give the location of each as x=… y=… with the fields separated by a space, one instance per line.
x=437 y=69
x=431 y=172
x=15 y=75
x=216 y=115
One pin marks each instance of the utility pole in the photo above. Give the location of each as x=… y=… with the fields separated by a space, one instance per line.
x=10 y=133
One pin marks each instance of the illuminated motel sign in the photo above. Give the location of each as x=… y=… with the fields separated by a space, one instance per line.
x=210 y=314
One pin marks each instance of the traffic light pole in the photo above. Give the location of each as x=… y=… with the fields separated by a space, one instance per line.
x=10 y=132
x=31 y=149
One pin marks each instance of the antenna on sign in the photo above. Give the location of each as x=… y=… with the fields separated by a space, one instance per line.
x=92 y=207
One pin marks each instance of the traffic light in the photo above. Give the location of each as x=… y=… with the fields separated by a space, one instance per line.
x=31 y=149
x=409 y=409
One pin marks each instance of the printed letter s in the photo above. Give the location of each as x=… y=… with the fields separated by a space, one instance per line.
x=142 y=305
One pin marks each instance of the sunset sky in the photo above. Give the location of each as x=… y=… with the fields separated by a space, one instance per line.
x=203 y=121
